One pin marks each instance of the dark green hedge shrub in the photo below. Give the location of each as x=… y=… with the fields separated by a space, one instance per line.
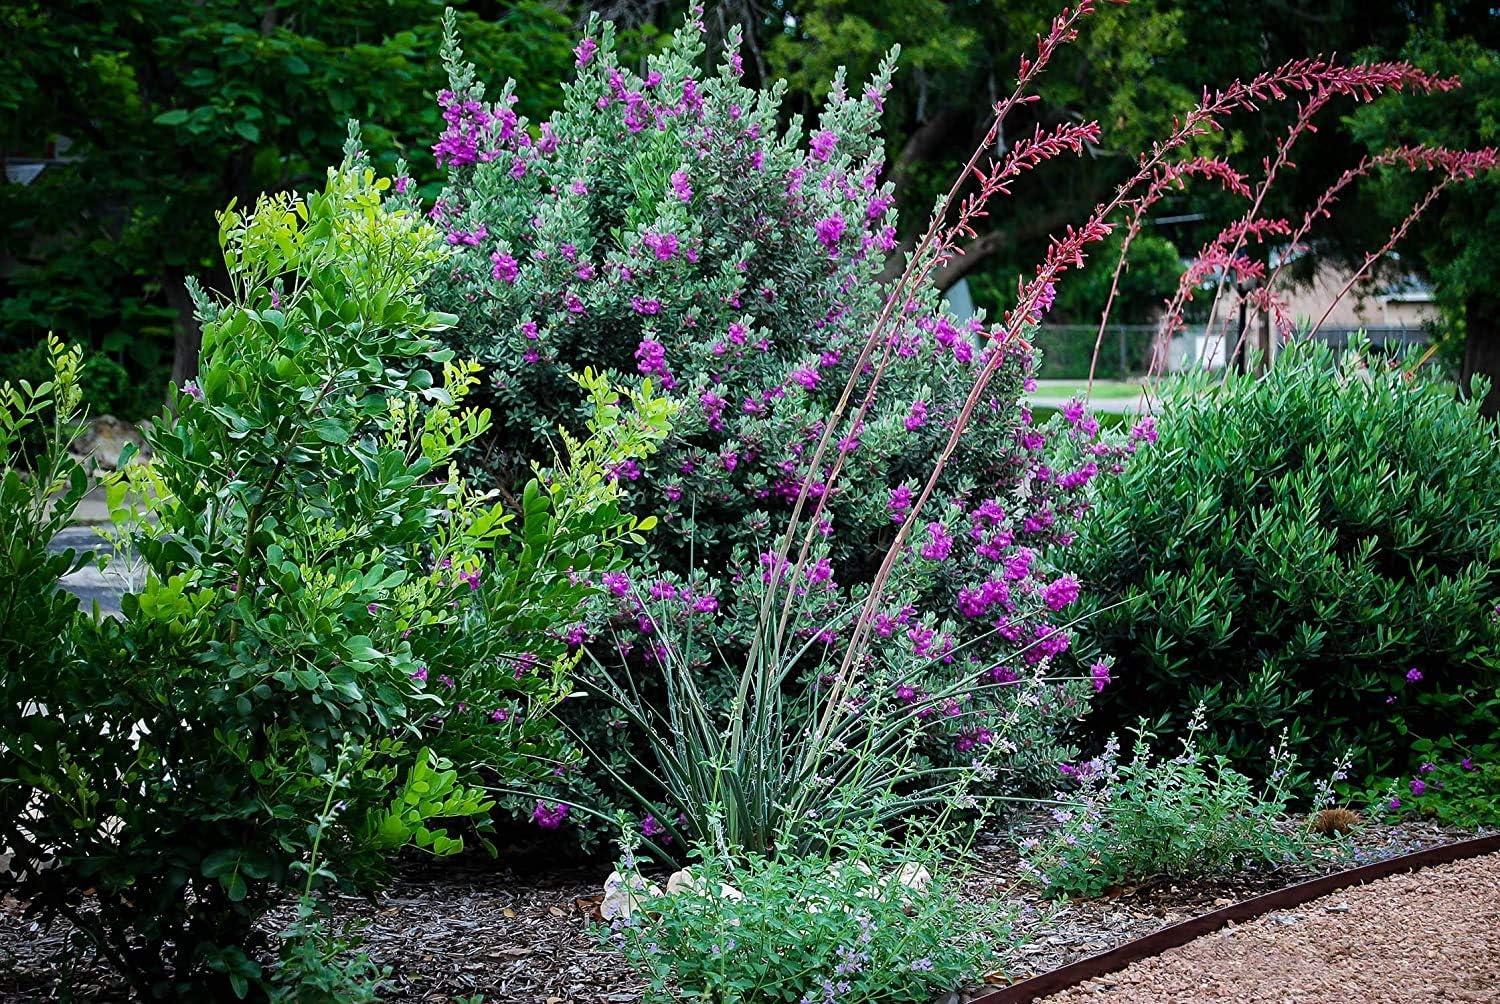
x=1316 y=551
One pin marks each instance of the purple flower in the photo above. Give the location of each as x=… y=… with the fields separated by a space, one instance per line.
x=1059 y=593
x=939 y=544
x=468 y=238
x=618 y=583
x=829 y=229
x=805 y=376
x=822 y=143
x=625 y=470
x=652 y=828
x=1100 y=672
x=917 y=417
x=549 y=817
x=1393 y=804
x=1418 y=786
x=1145 y=429
x=1427 y=768
x=585 y=51
x=1466 y=764
x=664 y=246
x=1043 y=303
x=192 y=390
x=651 y=358
x=1414 y=675
x=503 y=267
x=899 y=503
x=680 y=186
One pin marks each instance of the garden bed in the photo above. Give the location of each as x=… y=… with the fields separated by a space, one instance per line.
x=470 y=927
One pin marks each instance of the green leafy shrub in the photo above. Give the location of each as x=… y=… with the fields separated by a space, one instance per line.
x=337 y=643
x=1453 y=785
x=39 y=490
x=1186 y=818
x=1317 y=550
x=866 y=920
x=106 y=386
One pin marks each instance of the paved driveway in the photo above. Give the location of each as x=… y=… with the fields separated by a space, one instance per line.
x=92 y=585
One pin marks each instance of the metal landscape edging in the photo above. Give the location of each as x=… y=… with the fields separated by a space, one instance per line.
x=1116 y=959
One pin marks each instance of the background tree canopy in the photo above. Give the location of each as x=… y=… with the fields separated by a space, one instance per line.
x=156 y=113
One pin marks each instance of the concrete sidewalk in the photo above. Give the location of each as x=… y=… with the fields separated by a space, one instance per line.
x=92 y=584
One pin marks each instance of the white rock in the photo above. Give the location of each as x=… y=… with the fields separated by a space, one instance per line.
x=103 y=440
x=623 y=895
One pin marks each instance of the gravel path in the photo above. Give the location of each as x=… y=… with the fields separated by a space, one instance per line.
x=1429 y=937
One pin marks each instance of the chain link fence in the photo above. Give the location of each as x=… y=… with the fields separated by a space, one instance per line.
x=1125 y=349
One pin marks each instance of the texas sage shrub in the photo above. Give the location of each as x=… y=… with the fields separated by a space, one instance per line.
x=1316 y=550
x=1184 y=818
x=664 y=225
x=339 y=644
x=867 y=919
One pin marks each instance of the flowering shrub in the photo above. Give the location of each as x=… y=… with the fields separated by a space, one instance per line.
x=665 y=226
x=865 y=921
x=1190 y=817
x=1457 y=786
x=337 y=640
x=1313 y=551
x=763 y=768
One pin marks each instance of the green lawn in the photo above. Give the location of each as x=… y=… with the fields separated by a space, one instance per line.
x=1104 y=390
x=1107 y=419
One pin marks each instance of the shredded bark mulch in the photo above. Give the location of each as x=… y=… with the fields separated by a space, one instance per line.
x=454 y=929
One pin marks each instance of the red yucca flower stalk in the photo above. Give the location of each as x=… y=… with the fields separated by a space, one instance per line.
x=1460 y=166
x=1453 y=166
x=1222 y=255
x=1415 y=158
x=938 y=245
x=1317 y=78
x=1167 y=178
x=1068 y=250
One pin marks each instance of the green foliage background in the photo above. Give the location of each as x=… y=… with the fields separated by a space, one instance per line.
x=172 y=109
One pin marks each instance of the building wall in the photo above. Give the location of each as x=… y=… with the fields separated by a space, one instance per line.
x=1363 y=307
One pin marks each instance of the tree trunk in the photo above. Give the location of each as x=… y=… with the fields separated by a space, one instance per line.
x=187 y=335
x=1482 y=348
